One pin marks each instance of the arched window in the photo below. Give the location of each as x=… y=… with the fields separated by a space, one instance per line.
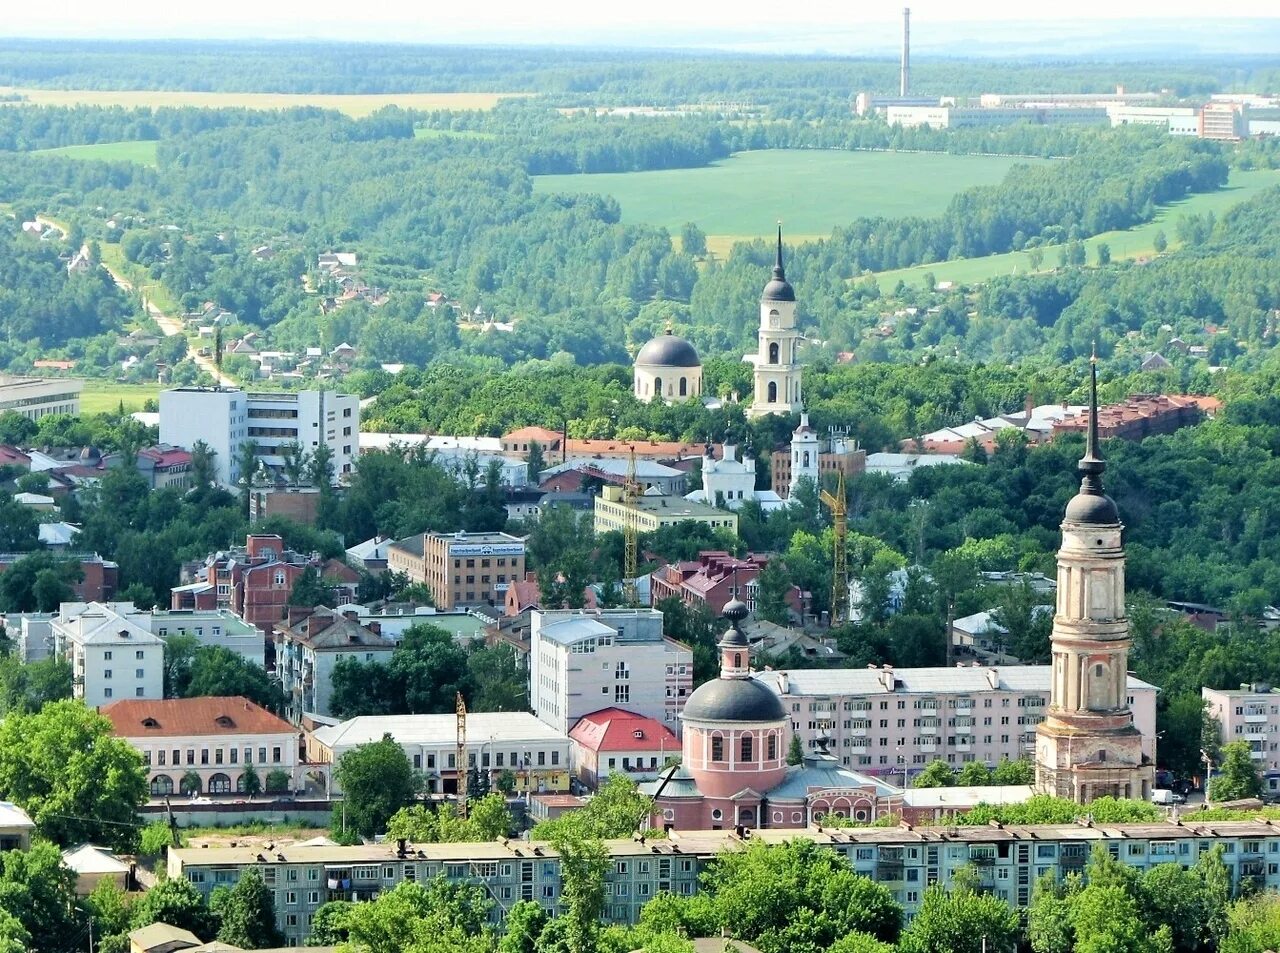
x=219 y=784
x=162 y=784
x=773 y=353
x=806 y=458
x=771 y=748
x=773 y=392
x=657 y=386
x=748 y=748
x=717 y=748
x=737 y=660
x=684 y=387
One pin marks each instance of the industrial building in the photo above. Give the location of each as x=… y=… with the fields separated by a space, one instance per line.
x=36 y=397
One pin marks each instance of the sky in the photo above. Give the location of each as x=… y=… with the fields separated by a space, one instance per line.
x=678 y=22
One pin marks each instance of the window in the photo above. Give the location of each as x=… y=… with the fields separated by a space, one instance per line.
x=107 y=655
x=275 y=755
x=772 y=748
x=137 y=673
x=106 y=693
x=106 y=673
x=747 y=748
x=717 y=748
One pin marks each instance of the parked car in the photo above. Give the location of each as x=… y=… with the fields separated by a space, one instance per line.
x=1167 y=797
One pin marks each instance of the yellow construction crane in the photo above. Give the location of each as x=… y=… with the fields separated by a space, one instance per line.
x=630 y=534
x=460 y=707
x=839 y=563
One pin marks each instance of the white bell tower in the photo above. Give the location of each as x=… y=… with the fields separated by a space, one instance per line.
x=777 y=373
x=805 y=448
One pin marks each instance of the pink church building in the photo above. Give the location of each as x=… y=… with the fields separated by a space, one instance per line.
x=734 y=771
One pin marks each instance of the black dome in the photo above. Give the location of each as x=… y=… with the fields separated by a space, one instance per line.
x=779 y=289
x=667 y=350
x=1092 y=509
x=734 y=699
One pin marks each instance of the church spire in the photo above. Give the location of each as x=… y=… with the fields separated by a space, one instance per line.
x=1091 y=464
x=778 y=273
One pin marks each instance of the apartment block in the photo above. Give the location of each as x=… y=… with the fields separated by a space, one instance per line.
x=581 y=661
x=212 y=627
x=460 y=569
x=496 y=741
x=649 y=513
x=1008 y=860
x=112 y=652
x=892 y=722
x=1250 y=713
x=310 y=646
x=225 y=417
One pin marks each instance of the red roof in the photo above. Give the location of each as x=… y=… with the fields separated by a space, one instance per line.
x=167 y=457
x=232 y=715
x=613 y=729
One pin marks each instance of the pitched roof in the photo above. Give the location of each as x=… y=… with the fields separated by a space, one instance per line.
x=162 y=936
x=328 y=630
x=92 y=859
x=144 y=718
x=614 y=729
x=518 y=727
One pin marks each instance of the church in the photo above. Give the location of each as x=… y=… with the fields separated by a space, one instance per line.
x=668 y=367
x=737 y=731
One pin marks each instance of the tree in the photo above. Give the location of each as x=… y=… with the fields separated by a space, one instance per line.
x=774 y=586
x=247 y=463
x=1008 y=772
x=583 y=865
x=618 y=809
x=376 y=781
x=432 y=668
x=219 y=672
x=1035 y=258
x=1027 y=622
x=308 y=591
x=38 y=892
x=1159 y=242
x=246 y=913
x=961 y=921
x=64 y=766
x=1103 y=251
x=179 y=654
x=535 y=461
x=329 y=924
x=278 y=781
x=29 y=687
x=973 y=774
x=693 y=241
x=1237 y=778
x=38 y=582
x=488 y=818
x=250 y=782
x=191 y=783
x=795 y=751
x=936 y=774
x=19 y=530
x=204 y=465
x=525 y=922
x=179 y=904
x=109 y=906
x=16 y=429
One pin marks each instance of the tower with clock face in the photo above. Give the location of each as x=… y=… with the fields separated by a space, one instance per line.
x=777 y=373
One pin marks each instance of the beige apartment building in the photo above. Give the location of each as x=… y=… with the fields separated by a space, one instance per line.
x=460 y=569
x=648 y=513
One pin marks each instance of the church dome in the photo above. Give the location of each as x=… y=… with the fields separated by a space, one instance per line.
x=1092 y=509
x=667 y=350
x=734 y=699
x=778 y=288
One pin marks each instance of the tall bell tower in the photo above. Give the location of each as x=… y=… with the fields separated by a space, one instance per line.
x=1088 y=746
x=777 y=375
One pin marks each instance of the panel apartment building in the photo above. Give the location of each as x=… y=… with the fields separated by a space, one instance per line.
x=582 y=661
x=225 y=417
x=905 y=860
x=892 y=722
x=1250 y=713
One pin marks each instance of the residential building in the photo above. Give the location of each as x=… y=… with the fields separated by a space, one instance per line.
x=556 y=448
x=224 y=418
x=460 y=568
x=461 y=464
x=577 y=472
x=778 y=373
x=392 y=619
x=1250 y=713
x=112 y=653
x=371 y=555
x=892 y=722
x=298 y=504
x=651 y=512
x=807 y=457
x=36 y=397
x=580 y=661
x=1034 y=423
x=93 y=864
x=166 y=467
x=615 y=741
x=308 y=648
x=1142 y=415
x=211 y=627
x=16 y=827
x=497 y=741
x=220 y=739
x=980 y=636
x=1092 y=742
x=713 y=579
x=98 y=581
x=253 y=581
x=900 y=466
x=1008 y=859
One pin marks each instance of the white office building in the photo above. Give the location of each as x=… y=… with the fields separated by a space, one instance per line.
x=224 y=418
x=112 y=651
x=581 y=661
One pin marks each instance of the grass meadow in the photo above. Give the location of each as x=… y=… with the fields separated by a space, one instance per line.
x=102 y=396
x=810 y=190
x=141 y=151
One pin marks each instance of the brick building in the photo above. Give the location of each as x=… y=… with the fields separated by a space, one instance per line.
x=1142 y=415
x=460 y=568
x=100 y=576
x=713 y=579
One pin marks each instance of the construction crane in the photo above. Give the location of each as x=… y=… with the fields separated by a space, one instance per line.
x=464 y=776
x=630 y=533
x=839 y=563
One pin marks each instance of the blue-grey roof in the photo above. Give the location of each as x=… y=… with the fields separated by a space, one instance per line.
x=918 y=681
x=568 y=631
x=823 y=772
x=733 y=700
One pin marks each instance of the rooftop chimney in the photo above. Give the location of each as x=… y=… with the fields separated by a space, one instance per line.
x=904 y=84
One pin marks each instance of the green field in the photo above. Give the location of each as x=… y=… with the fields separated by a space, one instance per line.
x=810 y=190
x=1131 y=243
x=421 y=133
x=100 y=397
x=141 y=151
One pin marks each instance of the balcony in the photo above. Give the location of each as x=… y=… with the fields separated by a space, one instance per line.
x=964 y=704
x=1072 y=859
x=930 y=745
x=982 y=860
x=1254 y=717
x=963 y=745
x=928 y=729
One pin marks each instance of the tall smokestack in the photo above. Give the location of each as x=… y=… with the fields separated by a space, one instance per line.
x=904 y=84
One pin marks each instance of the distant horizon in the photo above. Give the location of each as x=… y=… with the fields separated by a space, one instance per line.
x=987 y=29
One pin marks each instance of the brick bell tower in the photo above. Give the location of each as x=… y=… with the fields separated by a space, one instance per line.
x=1088 y=746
